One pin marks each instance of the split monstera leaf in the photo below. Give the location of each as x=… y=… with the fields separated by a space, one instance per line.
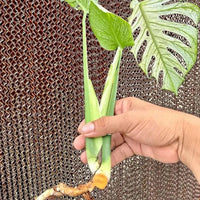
x=147 y=16
x=114 y=33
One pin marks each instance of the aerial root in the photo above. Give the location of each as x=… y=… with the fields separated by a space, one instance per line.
x=62 y=189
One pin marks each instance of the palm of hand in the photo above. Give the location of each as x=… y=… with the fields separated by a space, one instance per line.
x=124 y=147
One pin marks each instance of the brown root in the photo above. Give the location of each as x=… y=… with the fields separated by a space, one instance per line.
x=87 y=196
x=99 y=180
x=65 y=190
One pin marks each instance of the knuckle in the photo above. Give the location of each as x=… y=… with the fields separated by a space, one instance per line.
x=102 y=122
x=128 y=117
x=124 y=105
x=127 y=104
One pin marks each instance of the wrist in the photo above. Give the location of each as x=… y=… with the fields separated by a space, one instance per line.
x=189 y=150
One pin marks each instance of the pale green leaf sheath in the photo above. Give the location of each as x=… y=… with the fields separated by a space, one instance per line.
x=92 y=111
x=107 y=106
x=146 y=17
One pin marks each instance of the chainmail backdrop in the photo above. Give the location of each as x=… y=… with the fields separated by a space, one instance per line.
x=41 y=106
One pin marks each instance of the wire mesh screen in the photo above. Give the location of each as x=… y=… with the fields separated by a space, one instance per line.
x=41 y=106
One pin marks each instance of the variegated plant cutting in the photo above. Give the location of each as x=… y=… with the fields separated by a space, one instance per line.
x=114 y=33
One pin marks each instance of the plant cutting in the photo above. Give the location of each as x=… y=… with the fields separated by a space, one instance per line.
x=114 y=33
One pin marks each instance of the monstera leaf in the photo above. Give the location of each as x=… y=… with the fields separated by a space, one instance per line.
x=148 y=19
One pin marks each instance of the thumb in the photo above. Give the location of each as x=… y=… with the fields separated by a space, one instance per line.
x=107 y=125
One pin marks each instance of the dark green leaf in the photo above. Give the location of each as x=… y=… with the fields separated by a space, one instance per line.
x=111 y=30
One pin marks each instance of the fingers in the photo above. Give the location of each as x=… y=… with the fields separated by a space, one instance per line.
x=81 y=125
x=117 y=139
x=121 y=153
x=79 y=142
x=164 y=155
x=124 y=105
x=130 y=103
x=119 y=123
x=117 y=155
x=108 y=125
x=129 y=112
x=84 y=157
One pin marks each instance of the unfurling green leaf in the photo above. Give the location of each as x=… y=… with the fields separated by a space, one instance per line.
x=80 y=4
x=111 y=30
x=147 y=18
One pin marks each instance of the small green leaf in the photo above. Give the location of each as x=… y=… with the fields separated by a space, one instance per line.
x=111 y=30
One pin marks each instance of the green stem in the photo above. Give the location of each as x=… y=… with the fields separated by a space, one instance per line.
x=85 y=59
x=107 y=109
x=110 y=89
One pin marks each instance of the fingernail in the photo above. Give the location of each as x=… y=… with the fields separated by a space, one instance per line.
x=87 y=128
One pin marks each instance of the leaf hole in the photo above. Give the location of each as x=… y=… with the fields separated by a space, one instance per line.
x=150 y=67
x=170 y=2
x=178 y=71
x=136 y=33
x=177 y=36
x=141 y=51
x=134 y=20
x=160 y=79
x=147 y=33
x=178 y=18
x=178 y=57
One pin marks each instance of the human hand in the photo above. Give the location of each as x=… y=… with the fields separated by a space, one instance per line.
x=138 y=128
x=145 y=129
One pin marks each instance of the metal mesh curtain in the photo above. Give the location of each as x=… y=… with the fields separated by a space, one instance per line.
x=41 y=105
